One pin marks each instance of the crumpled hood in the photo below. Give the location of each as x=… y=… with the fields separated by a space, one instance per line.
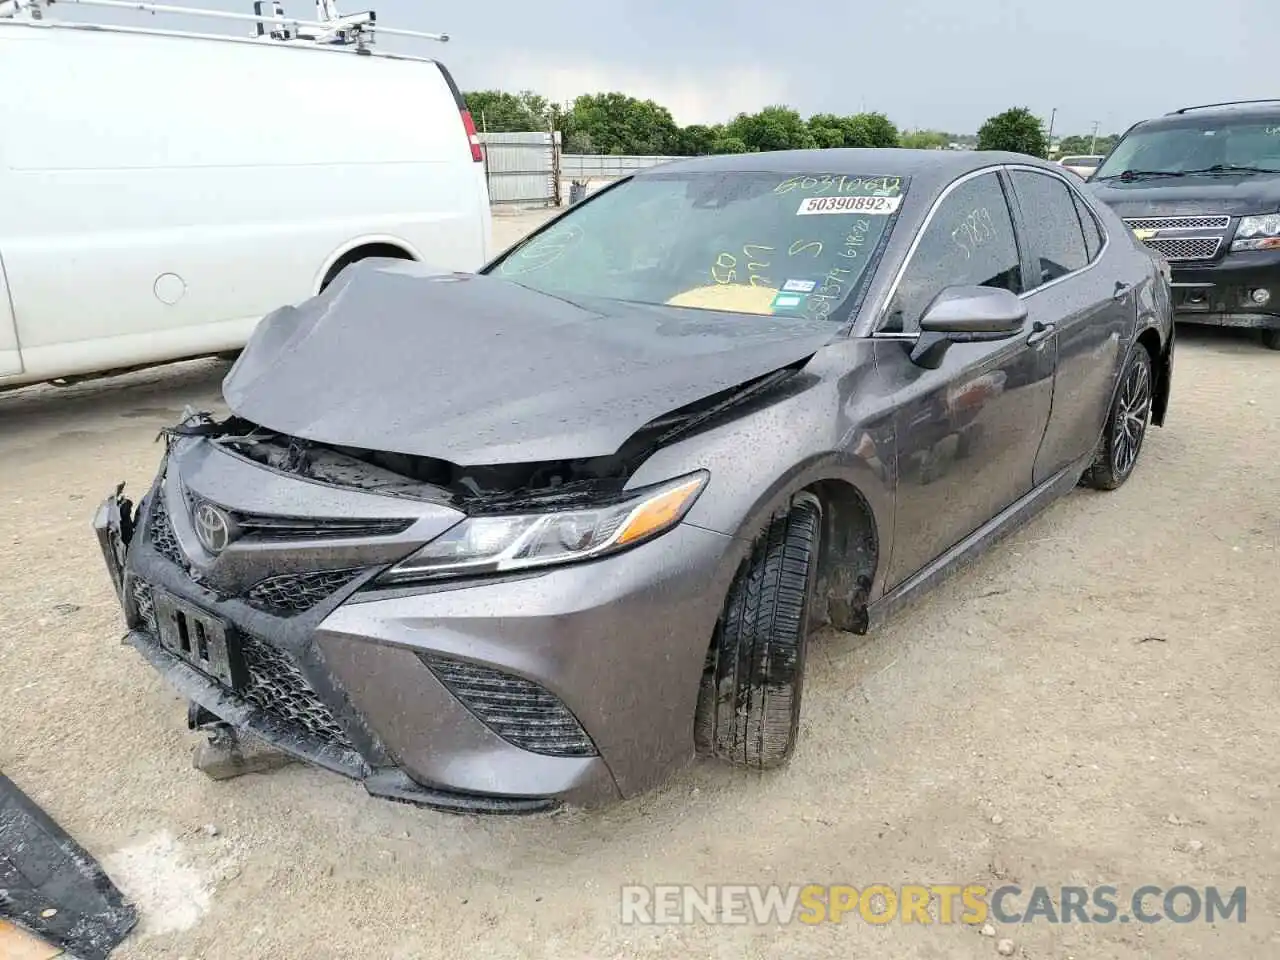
x=1237 y=196
x=479 y=371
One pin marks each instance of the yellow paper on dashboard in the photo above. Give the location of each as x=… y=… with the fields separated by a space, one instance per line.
x=735 y=297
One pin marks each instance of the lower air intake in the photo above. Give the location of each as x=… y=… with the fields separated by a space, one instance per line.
x=277 y=686
x=517 y=710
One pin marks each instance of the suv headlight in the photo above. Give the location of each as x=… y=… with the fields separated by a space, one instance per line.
x=499 y=544
x=1258 y=233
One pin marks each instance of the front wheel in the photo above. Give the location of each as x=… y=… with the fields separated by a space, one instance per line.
x=749 y=703
x=1271 y=339
x=1126 y=426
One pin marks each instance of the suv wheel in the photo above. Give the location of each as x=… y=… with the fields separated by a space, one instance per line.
x=1271 y=339
x=1126 y=426
x=749 y=703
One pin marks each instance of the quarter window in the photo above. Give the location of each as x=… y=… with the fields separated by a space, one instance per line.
x=1092 y=233
x=968 y=242
x=1053 y=225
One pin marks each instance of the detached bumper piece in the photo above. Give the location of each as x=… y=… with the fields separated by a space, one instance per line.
x=50 y=885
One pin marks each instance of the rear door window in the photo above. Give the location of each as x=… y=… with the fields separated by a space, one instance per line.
x=1053 y=228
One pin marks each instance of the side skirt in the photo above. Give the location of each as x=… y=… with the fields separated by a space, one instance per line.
x=1013 y=517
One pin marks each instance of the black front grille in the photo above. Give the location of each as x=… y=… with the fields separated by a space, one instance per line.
x=518 y=710
x=292 y=593
x=265 y=527
x=277 y=686
x=162 y=536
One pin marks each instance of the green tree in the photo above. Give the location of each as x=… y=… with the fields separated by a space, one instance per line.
x=496 y=111
x=827 y=129
x=1017 y=130
x=1085 y=144
x=926 y=140
x=870 y=130
x=617 y=124
x=697 y=140
x=728 y=145
x=773 y=128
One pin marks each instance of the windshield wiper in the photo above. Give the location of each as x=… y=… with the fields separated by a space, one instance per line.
x=1135 y=174
x=1233 y=168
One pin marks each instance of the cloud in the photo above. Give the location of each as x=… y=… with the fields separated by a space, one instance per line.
x=702 y=96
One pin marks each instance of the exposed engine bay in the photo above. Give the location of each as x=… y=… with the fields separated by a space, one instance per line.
x=482 y=488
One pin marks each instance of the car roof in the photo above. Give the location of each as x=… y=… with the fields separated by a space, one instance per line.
x=924 y=167
x=1197 y=116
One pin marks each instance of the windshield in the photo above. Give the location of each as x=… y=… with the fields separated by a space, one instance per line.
x=754 y=243
x=1209 y=145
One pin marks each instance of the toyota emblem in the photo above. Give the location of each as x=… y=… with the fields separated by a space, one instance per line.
x=213 y=530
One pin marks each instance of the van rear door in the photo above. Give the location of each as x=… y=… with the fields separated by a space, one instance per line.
x=10 y=356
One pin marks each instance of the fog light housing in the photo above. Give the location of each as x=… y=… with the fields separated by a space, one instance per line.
x=1260 y=296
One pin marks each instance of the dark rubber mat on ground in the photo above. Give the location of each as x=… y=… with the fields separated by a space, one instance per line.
x=51 y=886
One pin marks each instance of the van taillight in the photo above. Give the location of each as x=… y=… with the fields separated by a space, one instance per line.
x=477 y=154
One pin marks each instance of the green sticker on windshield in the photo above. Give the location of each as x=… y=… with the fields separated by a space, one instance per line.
x=788 y=301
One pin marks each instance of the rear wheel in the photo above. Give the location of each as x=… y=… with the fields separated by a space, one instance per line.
x=1126 y=426
x=1271 y=339
x=749 y=704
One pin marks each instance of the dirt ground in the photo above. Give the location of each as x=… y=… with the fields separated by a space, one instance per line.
x=1094 y=702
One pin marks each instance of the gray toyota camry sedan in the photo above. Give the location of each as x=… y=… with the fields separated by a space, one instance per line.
x=543 y=533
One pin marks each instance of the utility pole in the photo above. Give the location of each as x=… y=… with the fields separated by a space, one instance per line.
x=1093 y=142
x=1052 y=117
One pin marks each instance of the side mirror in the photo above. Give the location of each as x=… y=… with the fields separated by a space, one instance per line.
x=966 y=315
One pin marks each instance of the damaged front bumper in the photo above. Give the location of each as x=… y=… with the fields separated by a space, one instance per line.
x=512 y=694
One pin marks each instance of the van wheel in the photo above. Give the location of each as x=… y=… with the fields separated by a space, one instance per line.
x=1271 y=339
x=1126 y=426
x=749 y=702
x=384 y=250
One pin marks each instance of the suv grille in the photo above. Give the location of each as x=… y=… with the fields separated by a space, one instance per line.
x=1179 y=223
x=291 y=593
x=1186 y=248
x=278 y=687
x=518 y=710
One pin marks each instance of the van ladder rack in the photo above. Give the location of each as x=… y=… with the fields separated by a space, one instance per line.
x=329 y=28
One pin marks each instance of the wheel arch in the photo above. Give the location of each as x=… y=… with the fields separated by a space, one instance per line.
x=1161 y=367
x=855 y=516
x=361 y=248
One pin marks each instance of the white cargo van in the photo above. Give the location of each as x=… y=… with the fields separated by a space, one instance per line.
x=161 y=191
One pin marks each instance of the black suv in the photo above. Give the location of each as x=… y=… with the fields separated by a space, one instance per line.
x=1202 y=186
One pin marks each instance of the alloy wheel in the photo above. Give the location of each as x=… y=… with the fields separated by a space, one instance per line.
x=1133 y=413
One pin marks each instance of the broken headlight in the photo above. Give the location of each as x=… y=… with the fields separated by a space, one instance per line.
x=499 y=544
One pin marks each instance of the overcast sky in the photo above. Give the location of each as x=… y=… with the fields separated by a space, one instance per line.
x=945 y=64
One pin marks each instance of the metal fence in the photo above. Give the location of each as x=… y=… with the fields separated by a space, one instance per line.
x=528 y=169
x=579 y=166
x=523 y=168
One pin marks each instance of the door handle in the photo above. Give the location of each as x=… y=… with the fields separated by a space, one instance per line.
x=1122 y=290
x=1041 y=332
